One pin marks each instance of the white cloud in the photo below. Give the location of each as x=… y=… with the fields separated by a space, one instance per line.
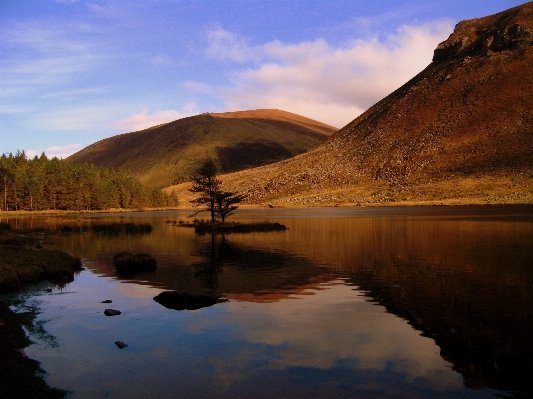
x=74 y=92
x=321 y=81
x=60 y=152
x=142 y=120
x=46 y=55
x=31 y=153
x=74 y=119
x=160 y=60
x=224 y=45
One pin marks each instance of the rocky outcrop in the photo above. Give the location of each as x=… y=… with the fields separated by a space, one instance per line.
x=510 y=30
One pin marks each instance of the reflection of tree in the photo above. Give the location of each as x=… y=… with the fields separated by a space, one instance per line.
x=255 y=273
x=210 y=268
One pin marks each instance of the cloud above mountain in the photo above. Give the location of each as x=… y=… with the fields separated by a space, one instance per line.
x=319 y=80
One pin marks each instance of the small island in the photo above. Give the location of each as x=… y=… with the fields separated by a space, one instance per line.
x=220 y=204
x=207 y=227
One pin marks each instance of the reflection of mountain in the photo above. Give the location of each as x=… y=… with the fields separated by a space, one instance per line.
x=200 y=266
x=240 y=273
x=480 y=318
x=255 y=275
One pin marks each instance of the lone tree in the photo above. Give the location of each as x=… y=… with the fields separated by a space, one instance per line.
x=208 y=186
x=220 y=204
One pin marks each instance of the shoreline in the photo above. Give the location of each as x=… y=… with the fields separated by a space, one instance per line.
x=403 y=204
x=21 y=266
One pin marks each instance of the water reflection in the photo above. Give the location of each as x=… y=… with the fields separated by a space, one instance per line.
x=314 y=308
x=480 y=318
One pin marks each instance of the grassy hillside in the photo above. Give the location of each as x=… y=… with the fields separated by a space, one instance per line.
x=461 y=131
x=172 y=152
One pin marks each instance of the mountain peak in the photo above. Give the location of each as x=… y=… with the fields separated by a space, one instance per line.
x=171 y=152
x=509 y=30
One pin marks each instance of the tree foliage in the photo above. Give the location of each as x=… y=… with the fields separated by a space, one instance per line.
x=218 y=203
x=41 y=183
x=226 y=204
x=207 y=185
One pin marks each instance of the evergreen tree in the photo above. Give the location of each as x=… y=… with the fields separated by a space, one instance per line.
x=220 y=204
x=208 y=186
x=40 y=183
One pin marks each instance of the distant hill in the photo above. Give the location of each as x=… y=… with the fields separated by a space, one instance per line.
x=173 y=151
x=461 y=131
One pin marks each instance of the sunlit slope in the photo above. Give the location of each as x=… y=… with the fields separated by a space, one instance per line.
x=461 y=131
x=172 y=152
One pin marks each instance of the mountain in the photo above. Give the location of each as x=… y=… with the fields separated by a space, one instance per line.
x=173 y=151
x=461 y=131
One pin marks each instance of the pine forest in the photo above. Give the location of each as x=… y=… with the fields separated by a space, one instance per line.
x=53 y=184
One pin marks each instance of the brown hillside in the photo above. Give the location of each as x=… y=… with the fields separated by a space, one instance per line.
x=237 y=140
x=461 y=131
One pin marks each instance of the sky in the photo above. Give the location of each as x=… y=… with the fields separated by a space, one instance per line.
x=73 y=72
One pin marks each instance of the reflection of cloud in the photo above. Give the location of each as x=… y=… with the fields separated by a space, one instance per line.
x=137 y=291
x=337 y=324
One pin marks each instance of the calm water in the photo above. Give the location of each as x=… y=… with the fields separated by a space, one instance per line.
x=428 y=302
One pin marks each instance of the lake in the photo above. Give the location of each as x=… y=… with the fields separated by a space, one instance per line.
x=398 y=302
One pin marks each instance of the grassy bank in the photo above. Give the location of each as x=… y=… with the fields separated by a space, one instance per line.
x=22 y=263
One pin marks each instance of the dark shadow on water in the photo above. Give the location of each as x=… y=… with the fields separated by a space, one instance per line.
x=480 y=320
x=21 y=377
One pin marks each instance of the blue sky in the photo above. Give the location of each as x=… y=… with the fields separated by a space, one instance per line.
x=73 y=72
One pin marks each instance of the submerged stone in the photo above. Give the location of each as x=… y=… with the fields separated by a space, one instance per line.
x=127 y=262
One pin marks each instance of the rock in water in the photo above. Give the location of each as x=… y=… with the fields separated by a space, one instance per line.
x=182 y=301
x=112 y=312
x=121 y=345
